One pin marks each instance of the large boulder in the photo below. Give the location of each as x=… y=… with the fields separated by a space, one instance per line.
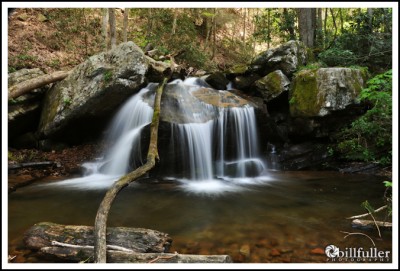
x=217 y=80
x=78 y=107
x=24 y=111
x=272 y=85
x=319 y=92
x=287 y=58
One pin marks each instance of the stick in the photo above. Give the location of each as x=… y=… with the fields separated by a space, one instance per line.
x=358 y=233
x=367 y=214
x=112 y=247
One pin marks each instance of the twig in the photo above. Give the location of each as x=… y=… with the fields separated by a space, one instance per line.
x=163 y=257
x=111 y=247
x=377 y=227
x=358 y=233
x=366 y=214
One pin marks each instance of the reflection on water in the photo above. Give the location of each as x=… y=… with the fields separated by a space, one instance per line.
x=285 y=218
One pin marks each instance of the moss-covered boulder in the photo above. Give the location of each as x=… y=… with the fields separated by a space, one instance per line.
x=318 y=92
x=272 y=85
x=78 y=107
x=288 y=58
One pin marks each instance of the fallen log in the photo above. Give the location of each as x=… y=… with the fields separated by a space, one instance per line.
x=32 y=164
x=361 y=223
x=85 y=254
x=46 y=234
x=26 y=86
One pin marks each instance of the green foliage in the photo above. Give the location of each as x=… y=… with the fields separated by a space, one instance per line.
x=387 y=184
x=364 y=40
x=67 y=101
x=275 y=23
x=369 y=138
x=338 y=57
x=108 y=76
x=312 y=66
x=366 y=205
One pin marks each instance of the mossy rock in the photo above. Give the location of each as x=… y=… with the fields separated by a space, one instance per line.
x=318 y=92
x=272 y=85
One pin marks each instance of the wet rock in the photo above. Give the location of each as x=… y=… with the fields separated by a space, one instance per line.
x=245 y=82
x=306 y=155
x=272 y=85
x=217 y=80
x=287 y=58
x=319 y=92
x=78 y=107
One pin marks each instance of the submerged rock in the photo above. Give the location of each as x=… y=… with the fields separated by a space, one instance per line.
x=78 y=106
x=318 y=92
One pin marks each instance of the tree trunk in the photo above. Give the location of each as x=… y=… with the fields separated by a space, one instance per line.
x=306 y=26
x=319 y=33
x=214 y=23
x=126 y=17
x=325 y=25
x=85 y=254
x=150 y=24
x=268 y=28
x=370 y=13
x=105 y=205
x=113 y=36
x=46 y=234
x=244 y=27
x=104 y=26
x=29 y=85
x=341 y=20
x=175 y=11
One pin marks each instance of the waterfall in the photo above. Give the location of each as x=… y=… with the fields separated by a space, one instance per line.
x=125 y=132
x=217 y=140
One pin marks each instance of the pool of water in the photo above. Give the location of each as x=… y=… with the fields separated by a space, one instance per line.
x=285 y=217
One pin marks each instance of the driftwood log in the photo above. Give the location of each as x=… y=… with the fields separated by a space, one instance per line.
x=47 y=234
x=26 y=86
x=72 y=243
x=100 y=224
x=362 y=223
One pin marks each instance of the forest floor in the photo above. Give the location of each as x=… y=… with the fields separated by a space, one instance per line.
x=67 y=163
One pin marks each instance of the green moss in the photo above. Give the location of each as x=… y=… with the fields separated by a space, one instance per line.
x=108 y=76
x=304 y=97
x=238 y=69
x=274 y=82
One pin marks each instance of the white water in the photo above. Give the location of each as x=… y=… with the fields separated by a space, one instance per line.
x=221 y=154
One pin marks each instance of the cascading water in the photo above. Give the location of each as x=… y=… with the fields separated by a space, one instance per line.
x=217 y=138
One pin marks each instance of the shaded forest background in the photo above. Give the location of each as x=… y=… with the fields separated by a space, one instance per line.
x=203 y=38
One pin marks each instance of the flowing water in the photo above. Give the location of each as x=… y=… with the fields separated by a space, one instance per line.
x=285 y=217
x=227 y=203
